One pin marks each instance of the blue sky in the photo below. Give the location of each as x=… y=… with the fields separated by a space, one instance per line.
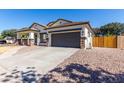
x=10 y=19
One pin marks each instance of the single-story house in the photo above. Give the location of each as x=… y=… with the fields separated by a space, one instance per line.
x=59 y=33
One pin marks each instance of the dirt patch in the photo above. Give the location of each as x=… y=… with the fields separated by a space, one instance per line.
x=5 y=48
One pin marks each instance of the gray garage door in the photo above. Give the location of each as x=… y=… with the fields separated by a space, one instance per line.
x=66 y=40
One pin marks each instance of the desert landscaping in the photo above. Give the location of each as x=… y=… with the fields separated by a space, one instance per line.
x=82 y=66
x=93 y=66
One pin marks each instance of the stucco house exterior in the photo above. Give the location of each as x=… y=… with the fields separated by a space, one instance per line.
x=59 y=33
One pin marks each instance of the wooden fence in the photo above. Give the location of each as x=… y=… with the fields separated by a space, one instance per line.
x=105 y=41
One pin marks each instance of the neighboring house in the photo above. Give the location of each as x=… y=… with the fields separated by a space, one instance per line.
x=60 y=33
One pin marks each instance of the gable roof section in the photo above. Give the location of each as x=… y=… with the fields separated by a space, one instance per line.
x=50 y=23
x=30 y=28
x=70 y=24
x=53 y=22
x=37 y=24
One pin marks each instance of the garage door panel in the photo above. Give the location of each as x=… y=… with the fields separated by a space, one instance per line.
x=66 y=40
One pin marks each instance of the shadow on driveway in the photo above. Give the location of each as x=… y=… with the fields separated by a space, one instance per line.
x=16 y=76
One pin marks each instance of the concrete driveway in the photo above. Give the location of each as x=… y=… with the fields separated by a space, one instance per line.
x=42 y=59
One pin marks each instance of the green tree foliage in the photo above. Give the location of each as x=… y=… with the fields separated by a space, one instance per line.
x=1 y=37
x=112 y=29
x=10 y=32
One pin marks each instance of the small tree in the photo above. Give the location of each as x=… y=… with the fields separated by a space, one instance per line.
x=11 y=33
x=97 y=32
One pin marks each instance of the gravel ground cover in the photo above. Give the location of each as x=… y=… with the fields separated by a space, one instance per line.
x=98 y=65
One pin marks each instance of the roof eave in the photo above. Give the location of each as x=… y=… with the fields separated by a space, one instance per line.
x=27 y=30
x=37 y=24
